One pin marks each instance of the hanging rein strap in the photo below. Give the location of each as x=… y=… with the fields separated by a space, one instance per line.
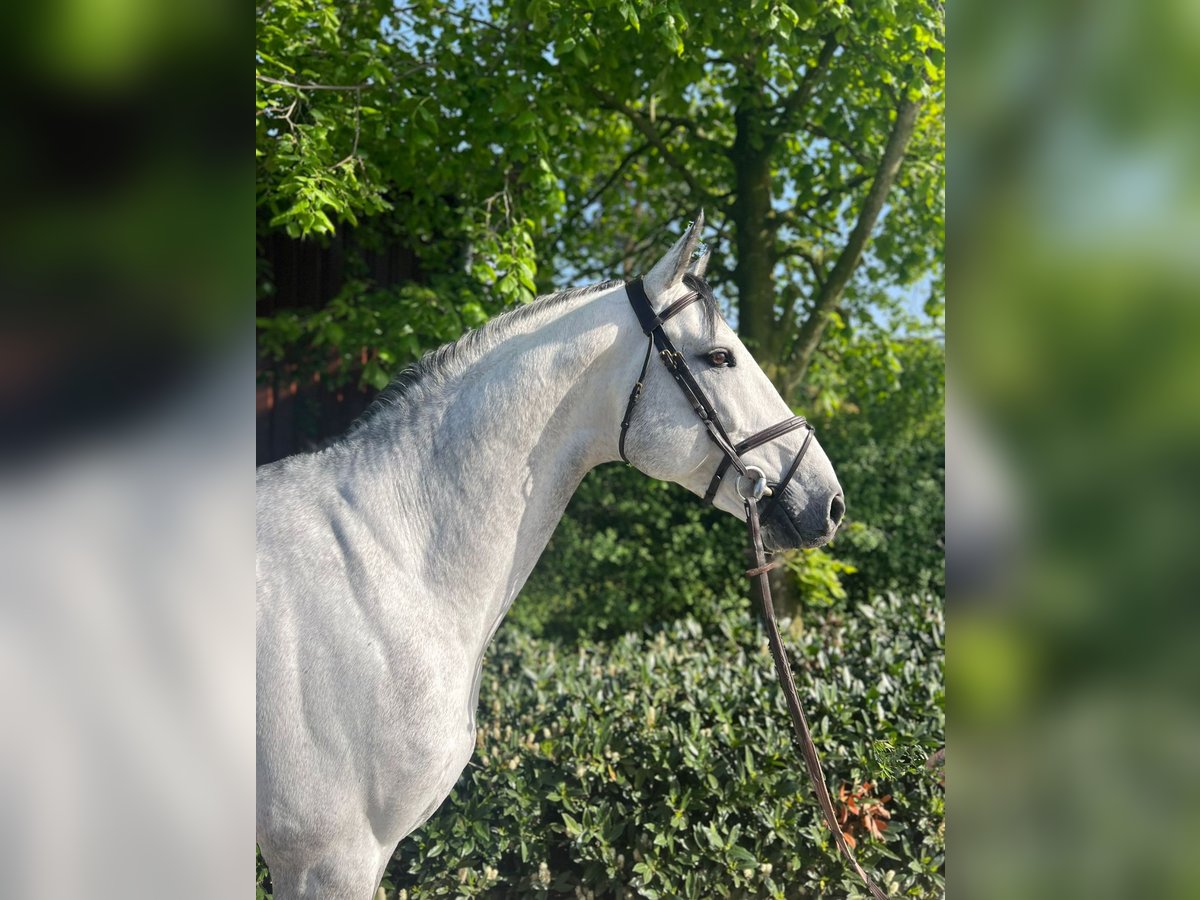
x=762 y=588
x=652 y=327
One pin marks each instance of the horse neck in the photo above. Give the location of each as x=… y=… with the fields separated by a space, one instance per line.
x=482 y=470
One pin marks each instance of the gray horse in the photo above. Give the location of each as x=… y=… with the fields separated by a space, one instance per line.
x=387 y=561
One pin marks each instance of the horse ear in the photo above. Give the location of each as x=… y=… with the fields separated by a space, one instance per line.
x=700 y=264
x=669 y=270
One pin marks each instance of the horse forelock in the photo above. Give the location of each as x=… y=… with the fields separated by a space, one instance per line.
x=708 y=302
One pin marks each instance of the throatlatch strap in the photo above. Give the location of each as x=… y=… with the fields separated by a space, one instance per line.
x=799 y=721
x=634 y=396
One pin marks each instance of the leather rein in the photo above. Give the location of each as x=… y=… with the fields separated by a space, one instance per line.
x=657 y=338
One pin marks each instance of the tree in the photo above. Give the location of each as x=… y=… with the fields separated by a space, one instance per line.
x=798 y=128
x=534 y=130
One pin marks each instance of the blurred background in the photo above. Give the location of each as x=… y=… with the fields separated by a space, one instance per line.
x=1073 y=435
x=421 y=168
x=126 y=613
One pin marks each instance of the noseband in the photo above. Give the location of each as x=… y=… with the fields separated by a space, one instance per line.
x=657 y=338
x=652 y=327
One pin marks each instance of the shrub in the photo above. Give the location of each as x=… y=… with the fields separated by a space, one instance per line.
x=662 y=765
x=880 y=414
x=632 y=552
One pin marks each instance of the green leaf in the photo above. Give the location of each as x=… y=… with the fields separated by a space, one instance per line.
x=574 y=829
x=742 y=855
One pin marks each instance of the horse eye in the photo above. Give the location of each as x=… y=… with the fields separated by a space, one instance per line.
x=720 y=358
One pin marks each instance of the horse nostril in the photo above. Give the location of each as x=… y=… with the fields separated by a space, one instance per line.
x=837 y=508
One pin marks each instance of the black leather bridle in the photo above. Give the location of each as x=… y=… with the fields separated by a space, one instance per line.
x=657 y=338
x=652 y=327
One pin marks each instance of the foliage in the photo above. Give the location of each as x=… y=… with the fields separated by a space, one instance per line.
x=662 y=766
x=507 y=135
x=504 y=141
x=773 y=117
x=632 y=552
x=416 y=318
x=818 y=576
x=358 y=114
x=388 y=327
x=311 y=171
x=262 y=879
x=879 y=409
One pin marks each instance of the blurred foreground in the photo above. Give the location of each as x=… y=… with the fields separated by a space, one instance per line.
x=126 y=489
x=1074 y=431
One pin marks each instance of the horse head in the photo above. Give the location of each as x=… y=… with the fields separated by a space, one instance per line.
x=670 y=437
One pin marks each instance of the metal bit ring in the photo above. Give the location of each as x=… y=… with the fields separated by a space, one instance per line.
x=758 y=482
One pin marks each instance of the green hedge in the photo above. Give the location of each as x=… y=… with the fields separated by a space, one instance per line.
x=894 y=532
x=632 y=552
x=881 y=419
x=662 y=765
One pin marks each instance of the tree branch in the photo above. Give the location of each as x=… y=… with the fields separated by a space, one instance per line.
x=353 y=156
x=356 y=88
x=791 y=217
x=814 y=264
x=830 y=293
x=313 y=87
x=694 y=130
x=849 y=185
x=629 y=157
x=797 y=99
x=635 y=246
x=739 y=62
x=857 y=154
x=643 y=124
x=608 y=182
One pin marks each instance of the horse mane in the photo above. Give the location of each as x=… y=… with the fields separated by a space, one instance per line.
x=437 y=367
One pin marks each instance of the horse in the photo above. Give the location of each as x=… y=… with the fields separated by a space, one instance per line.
x=387 y=560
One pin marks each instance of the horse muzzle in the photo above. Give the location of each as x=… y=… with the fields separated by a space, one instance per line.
x=796 y=522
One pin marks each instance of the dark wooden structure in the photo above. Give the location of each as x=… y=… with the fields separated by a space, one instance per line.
x=300 y=412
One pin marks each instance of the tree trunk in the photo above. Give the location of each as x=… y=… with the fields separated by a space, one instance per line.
x=755 y=274
x=784 y=593
x=755 y=238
